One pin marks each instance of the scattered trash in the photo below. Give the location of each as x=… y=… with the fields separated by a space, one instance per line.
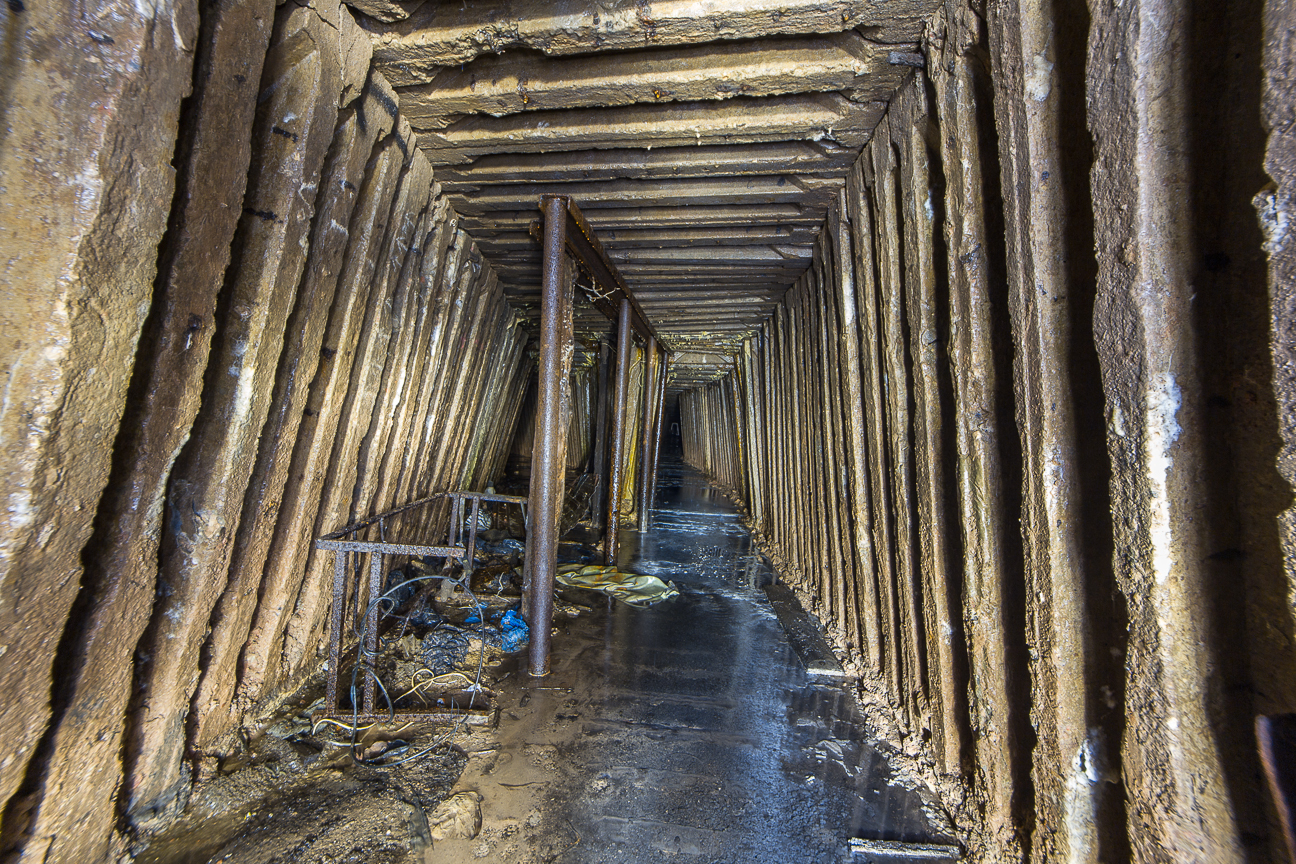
x=456 y=818
x=509 y=633
x=504 y=581
x=515 y=631
x=394 y=747
x=503 y=548
x=629 y=588
x=399 y=593
x=444 y=649
x=483 y=521
x=425 y=618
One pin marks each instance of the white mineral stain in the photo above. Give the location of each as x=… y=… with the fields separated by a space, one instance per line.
x=1039 y=80
x=1163 y=401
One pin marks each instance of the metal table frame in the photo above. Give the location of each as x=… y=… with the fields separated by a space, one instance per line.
x=456 y=549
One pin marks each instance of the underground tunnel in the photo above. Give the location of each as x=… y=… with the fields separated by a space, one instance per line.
x=817 y=430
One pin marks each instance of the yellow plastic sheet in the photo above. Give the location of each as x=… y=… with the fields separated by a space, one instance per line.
x=627 y=587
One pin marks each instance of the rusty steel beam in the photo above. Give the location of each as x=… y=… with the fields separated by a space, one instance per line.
x=611 y=289
x=549 y=452
x=650 y=467
x=624 y=340
x=652 y=366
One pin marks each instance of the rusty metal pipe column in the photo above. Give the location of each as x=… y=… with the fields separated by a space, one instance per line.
x=625 y=339
x=652 y=364
x=598 y=506
x=549 y=452
x=650 y=468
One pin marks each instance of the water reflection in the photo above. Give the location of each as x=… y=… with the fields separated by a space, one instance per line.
x=700 y=734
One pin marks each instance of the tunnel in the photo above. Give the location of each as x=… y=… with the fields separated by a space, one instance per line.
x=647 y=430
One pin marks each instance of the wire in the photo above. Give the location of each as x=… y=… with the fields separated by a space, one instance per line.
x=338 y=723
x=434 y=679
x=372 y=657
x=434 y=745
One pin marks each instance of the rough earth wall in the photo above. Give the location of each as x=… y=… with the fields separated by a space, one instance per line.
x=1016 y=436
x=1276 y=206
x=88 y=136
x=195 y=392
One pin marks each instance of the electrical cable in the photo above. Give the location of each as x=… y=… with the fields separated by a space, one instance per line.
x=372 y=657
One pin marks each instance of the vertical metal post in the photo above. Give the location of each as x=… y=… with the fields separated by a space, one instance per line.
x=652 y=363
x=598 y=504
x=650 y=467
x=369 y=651
x=625 y=338
x=456 y=519
x=472 y=543
x=549 y=452
x=336 y=616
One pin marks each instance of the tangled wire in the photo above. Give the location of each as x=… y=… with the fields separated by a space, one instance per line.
x=387 y=603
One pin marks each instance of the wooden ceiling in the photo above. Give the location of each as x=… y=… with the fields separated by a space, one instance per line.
x=704 y=140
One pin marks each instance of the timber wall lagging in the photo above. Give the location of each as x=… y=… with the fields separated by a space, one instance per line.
x=1015 y=436
x=309 y=339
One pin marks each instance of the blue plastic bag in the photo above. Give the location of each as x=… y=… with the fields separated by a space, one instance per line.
x=514 y=632
x=514 y=635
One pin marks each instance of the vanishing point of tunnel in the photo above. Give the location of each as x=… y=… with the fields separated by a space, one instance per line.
x=647 y=431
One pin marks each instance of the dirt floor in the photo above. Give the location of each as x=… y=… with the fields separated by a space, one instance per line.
x=688 y=729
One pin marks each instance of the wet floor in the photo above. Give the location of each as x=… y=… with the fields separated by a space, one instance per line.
x=688 y=730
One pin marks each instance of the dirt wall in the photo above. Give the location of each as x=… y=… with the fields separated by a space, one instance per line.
x=247 y=316
x=1016 y=436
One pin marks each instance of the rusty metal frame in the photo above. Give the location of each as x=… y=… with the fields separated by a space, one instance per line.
x=609 y=286
x=565 y=233
x=456 y=548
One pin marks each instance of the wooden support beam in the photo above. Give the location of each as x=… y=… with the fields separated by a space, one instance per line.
x=624 y=341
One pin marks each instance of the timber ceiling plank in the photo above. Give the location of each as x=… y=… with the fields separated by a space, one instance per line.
x=813 y=190
x=742 y=120
x=782 y=157
x=504 y=245
x=697 y=216
x=518 y=82
x=450 y=33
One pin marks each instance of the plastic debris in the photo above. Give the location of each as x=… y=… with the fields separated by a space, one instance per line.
x=425 y=618
x=503 y=548
x=630 y=588
x=516 y=634
x=400 y=594
x=509 y=632
x=444 y=649
x=483 y=520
